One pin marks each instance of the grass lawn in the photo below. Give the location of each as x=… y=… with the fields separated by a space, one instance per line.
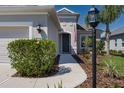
x=116 y=60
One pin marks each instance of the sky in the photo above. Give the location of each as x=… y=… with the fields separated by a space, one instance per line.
x=83 y=9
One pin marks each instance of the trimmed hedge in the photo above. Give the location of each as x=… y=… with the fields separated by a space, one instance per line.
x=32 y=57
x=115 y=52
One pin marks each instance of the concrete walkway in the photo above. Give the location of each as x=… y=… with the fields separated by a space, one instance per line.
x=71 y=75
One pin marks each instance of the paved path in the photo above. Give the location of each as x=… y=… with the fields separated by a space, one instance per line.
x=71 y=75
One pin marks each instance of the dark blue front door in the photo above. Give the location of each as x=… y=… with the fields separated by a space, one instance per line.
x=65 y=43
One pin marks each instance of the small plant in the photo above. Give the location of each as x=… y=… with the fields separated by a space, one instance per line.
x=58 y=86
x=111 y=69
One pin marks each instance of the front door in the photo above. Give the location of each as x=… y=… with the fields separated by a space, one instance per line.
x=65 y=43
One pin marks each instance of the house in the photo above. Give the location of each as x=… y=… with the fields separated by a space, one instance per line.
x=117 y=39
x=21 y=22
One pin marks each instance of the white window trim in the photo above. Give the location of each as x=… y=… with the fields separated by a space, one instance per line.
x=23 y=24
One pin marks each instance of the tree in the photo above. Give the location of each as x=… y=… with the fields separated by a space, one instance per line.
x=108 y=14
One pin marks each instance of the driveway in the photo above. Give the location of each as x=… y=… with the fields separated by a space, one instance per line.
x=70 y=73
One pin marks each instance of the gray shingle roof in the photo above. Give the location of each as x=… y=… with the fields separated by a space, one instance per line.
x=118 y=31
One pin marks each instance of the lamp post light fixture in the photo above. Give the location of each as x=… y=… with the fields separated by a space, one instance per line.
x=93 y=20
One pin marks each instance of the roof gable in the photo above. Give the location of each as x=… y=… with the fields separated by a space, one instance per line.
x=65 y=11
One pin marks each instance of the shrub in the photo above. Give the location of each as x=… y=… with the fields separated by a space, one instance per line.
x=115 y=52
x=32 y=57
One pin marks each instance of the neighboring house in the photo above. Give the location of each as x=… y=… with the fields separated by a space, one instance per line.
x=117 y=39
x=21 y=22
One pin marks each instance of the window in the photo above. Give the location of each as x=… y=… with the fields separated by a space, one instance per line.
x=115 y=43
x=82 y=43
x=122 y=42
x=89 y=41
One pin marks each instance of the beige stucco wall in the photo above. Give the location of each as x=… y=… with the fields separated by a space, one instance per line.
x=53 y=32
x=70 y=27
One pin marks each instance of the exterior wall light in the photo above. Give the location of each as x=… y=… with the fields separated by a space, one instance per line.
x=39 y=28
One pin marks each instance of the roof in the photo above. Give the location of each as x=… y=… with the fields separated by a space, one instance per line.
x=80 y=27
x=118 y=31
x=67 y=12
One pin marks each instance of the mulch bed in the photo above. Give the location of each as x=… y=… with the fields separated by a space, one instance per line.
x=103 y=81
x=53 y=71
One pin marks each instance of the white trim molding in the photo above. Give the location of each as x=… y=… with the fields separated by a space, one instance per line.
x=16 y=23
x=23 y=13
x=66 y=10
x=30 y=32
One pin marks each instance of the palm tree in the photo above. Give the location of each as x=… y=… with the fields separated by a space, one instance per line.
x=108 y=14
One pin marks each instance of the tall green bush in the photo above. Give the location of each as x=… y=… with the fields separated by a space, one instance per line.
x=32 y=57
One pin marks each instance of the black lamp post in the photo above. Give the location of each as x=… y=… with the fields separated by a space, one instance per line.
x=93 y=20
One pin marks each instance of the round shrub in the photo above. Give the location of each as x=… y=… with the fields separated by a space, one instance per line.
x=32 y=57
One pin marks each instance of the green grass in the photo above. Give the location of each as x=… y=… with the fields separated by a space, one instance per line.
x=116 y=60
